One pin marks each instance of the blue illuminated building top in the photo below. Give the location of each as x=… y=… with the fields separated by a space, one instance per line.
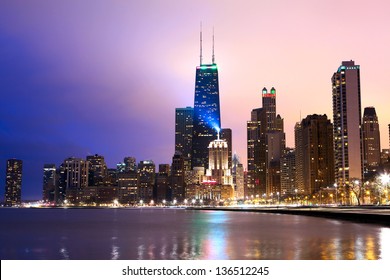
x=207 y=116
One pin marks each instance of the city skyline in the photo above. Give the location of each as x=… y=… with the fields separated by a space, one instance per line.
x=76 y=84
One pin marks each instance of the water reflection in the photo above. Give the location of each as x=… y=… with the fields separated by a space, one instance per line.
x=384 y=237
x=180 y=234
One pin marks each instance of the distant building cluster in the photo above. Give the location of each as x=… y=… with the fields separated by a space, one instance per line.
x=327 y=156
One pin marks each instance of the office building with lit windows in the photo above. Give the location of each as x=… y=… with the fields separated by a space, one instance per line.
x=347 y=123
x=314 y=152
x=265 y=146
x=49 y=191
x=207 y=116
x=13 y=183
x=371 y=140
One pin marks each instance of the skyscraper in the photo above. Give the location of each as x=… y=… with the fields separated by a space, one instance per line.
x=207 y=116
x=146 y=179
x=238 y=177
x=347 y=123
x=75 y=178
x=266 y=144
x=371 y=140
x=13 y=183
x=315 y=154
x=226 y=133
x=49 y=183
x=177 y=178
x=256 y=154
x=162 y=182
x=97 y=170
x=130 y=164
x=183 y=131
x=288 y=173
x=218 y=182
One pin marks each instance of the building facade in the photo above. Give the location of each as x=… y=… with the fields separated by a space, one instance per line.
x=13 y=183
x=49 y=190
x=265 y=146
x=288 y=173
x=97 y=170
x=315 y=153
x=207 y=116
x=146 y=180
x=347 y=123
x=183 y=130
x=371 y=140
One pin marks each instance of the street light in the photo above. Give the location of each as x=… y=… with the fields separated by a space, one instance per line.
x=278 y=197
x=385 y=178
x=335 y=187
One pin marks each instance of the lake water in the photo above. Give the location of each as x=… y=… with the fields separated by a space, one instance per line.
x=147 y=233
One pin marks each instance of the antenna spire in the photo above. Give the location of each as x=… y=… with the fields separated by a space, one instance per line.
x=213 y=48
x=201 y=43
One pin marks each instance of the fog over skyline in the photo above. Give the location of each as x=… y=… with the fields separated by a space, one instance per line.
x=84 y=77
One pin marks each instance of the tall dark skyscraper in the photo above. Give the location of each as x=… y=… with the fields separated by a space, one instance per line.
x=314 y=153
x=13 y=183
x=183 y=131
x=207 y=116
x=49 y=183
x=347 y=123
x=226 y=133
x=266 y=145
x=97 y=170
x=74 y=178
x=371 y=140
x=146 y=177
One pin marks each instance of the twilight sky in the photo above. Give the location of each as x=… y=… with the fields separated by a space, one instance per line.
x=92 y=76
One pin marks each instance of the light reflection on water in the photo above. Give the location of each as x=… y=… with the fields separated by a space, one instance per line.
x=181 y=234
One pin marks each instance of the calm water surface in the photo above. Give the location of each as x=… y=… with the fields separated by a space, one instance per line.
x=139 y=234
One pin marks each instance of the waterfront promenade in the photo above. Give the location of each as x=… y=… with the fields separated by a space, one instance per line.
x=363 y=214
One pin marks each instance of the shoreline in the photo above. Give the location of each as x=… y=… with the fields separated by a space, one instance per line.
x=368 y=215
x=361 y=214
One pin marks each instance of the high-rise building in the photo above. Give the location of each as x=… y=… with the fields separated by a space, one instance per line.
x=275 y=143
x=130 y=164
x=238 y=177
x=183 y=130
x=226 y=134
x=347 y=123
x=97 y=170
x=177 y=178
x=371 y=140
x=252 y=157
x=266 y=144
x=128 y=187
x=299 y=181
x=315 y=153
x=269 y=105
x=162 y=182
x=288 y=173
x=207 y=116
x=146 y=179
x=75 y=178
x=218 y=182
x=13 y=183
x=256 y=154
x=218 y=162
x=49 y=183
